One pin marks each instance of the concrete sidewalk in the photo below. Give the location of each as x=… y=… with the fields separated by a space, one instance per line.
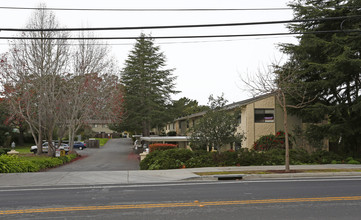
x=160 y=176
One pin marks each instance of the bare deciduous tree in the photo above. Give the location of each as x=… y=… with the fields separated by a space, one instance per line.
x=54 y=88
x=91 y=85
x=284 y=82
x=33 y=75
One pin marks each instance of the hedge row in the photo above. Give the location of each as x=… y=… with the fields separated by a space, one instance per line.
x=177 y=158
x=16 y=164
x=159 y=146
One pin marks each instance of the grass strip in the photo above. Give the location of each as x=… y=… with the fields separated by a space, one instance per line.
x=276 y=171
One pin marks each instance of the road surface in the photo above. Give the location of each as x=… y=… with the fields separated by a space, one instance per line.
x=116 y=154
x=271 y=199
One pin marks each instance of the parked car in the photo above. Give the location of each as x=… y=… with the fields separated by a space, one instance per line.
x=63 y=146
x=80 y=145
x=45 y=147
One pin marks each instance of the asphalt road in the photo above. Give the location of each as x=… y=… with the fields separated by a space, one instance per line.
x=272 y=199
x=116 y=154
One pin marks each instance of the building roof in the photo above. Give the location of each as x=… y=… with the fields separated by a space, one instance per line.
x=166 y=138
x=229 y=106
x=247 y=101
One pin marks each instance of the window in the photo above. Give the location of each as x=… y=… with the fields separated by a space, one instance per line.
x=264 y=115
x=239 y=119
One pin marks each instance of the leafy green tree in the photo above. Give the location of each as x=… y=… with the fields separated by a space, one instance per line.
x=147 y=87
x=185 y=106
x=217 y=127
x=329 y=64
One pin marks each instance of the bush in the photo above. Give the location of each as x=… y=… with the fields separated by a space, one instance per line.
x=324 y=157
x=16 y=164
x=4 y=150
x=172 y=133
x=268 y=142
x=273 y=157
x=201 y=160
x=176 y=158
x=249 y=157
x=166 y=159
x=350 y=160
x=300 y=156
x=227 y=158
x=159 y=146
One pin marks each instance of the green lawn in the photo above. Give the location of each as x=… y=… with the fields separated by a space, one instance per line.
x=102 y=141
x=23 y=149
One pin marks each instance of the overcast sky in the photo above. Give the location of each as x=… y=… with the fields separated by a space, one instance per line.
x=203 y=66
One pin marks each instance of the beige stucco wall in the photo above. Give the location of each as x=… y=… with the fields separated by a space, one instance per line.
x=252 y=130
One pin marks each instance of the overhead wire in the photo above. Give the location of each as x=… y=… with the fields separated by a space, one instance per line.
x=164 y=42
x=181 y=37
x=147 y=9
x=157 y=9
x=180 y=26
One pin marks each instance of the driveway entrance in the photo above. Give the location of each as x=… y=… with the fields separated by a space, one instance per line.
x=115 y=155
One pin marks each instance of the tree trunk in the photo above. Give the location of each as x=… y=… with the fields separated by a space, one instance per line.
x=40 y=143
x=40 y=137
x=146 y=129
x=21 y=137
x=287 y=145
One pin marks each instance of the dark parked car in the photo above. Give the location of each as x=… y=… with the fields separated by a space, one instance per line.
x=79 y=145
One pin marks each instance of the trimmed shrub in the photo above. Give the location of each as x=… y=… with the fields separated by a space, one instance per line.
x=17 y=164
x=350 y=160
x=300 y=156
x=176 y=158
x=159 y=146
x=268 y=142
x=201 y=160
x=324 y=157
x=227 y=158
x=250 y=157
x=166 y=159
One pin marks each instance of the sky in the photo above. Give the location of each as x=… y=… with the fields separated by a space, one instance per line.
x=203 y=66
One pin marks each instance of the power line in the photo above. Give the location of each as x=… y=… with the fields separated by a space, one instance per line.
x=160 y=9
x=182 y=26
x=147 y=9
x=172 y=42
x=181 y=37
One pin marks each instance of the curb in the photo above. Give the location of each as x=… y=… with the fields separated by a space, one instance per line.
x=273 y=176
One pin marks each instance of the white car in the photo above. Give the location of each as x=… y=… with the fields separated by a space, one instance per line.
x=45 y=147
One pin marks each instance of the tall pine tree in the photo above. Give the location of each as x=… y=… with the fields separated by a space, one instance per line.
x=330 y=64
x=147 y=87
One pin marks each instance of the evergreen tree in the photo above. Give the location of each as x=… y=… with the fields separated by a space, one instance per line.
x=329 y=62
x=185 y=106
x=147 y=87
